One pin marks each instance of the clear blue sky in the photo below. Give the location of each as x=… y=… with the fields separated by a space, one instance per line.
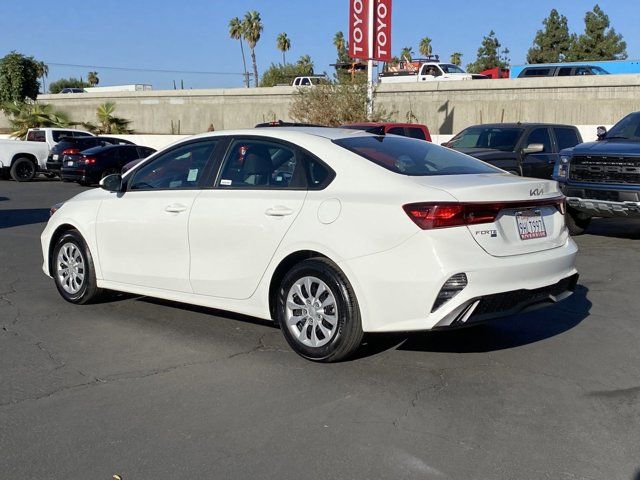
x=193 y=34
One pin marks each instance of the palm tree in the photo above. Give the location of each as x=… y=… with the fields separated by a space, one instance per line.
x=24 y=116
x=93 y=79
x=341 y=47
x=284 y=44
x=456 y=58
x=108 y=122
x=251 y=31
x=406 y=53
x=425 y=47
x=235 y=32
x=43 y=72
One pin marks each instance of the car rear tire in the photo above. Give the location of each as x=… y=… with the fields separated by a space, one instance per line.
x=23 y=170
x=318 y=312
x=73 y=270
x=577 y=222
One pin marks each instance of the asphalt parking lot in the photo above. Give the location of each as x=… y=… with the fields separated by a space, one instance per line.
x=156 y=390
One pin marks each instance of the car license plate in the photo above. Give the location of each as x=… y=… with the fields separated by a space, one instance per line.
x=55 y=157
x=530 y=224
x=70 y=164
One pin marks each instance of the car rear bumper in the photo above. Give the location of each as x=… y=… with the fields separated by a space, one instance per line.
x=397 y=289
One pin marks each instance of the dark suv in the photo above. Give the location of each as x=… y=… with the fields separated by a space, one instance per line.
x=70 y=148
x=98 y=162
x=527 y=149
x=602 y=179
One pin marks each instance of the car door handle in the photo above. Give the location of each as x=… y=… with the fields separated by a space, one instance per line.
x=278 y=211
x=175 y=208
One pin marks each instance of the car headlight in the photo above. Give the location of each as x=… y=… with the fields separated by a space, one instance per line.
x=563 y=167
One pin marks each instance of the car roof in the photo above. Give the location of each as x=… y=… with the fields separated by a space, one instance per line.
x=291 y=133
x=520 y=125
x=384 y=124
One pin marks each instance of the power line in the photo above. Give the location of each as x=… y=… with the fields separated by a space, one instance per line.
x=132 y=69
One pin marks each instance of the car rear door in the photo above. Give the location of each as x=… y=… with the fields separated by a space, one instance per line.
x=237 y=224
x=142 y=233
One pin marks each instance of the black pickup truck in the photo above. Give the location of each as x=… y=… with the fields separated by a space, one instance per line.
x=602 y=179
x=527 y=149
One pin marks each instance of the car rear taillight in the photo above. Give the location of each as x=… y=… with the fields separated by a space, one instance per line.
x=89 y=160
x=448 y=214
x=71 y=151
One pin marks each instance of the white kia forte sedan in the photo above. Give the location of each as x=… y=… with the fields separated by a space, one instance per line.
x=328 y=232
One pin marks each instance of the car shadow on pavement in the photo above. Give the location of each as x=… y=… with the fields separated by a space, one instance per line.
x=25 y=216
x=499 y=334
x=615 y=228
x=209 y=311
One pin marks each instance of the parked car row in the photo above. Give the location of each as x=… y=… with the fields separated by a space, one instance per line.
x=72 y=155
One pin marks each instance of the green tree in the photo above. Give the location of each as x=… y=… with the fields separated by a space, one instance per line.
x=283 y=42
x=406 y=54
x=489 y=55
x=251 y=31
x=26 y=115
x=236 y=32
x=553 y=43
x=19 y=77
x=456 y=58
x=278 y=74
x=599 y=41
x=108 y=123
x=93 y=79
x=425 y=47
x=43 y=73
x=72 y=82
x=334 y=104
x=342 y=48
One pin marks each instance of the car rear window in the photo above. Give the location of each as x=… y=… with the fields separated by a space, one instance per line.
x=408 y=156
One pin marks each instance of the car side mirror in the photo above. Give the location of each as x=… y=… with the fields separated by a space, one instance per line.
x=601 y=132
x=112 y=183
x=533 y=148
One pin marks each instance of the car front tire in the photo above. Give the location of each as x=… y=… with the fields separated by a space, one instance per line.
x=318 y=312
x=73 y=270
x=23 y=170
x=577 y=223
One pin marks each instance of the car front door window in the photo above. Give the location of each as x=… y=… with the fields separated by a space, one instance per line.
x=180 y=168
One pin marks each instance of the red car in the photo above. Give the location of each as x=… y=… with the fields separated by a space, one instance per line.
x=412 y=130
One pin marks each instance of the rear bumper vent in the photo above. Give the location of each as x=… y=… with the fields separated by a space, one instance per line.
x=454 y=285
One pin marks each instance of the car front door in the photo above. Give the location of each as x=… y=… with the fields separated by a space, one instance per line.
x=142 y=233
x=540 y=164
x=236 y=226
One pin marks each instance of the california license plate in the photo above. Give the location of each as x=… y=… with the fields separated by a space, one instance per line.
x=530 y=224
x=70 y=164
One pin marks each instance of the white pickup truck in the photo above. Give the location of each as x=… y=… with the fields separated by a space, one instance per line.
x=429 y=72
x=23 y=160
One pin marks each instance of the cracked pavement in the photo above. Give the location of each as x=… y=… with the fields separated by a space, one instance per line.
x=152 y=389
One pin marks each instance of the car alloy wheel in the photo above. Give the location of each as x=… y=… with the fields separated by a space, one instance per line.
x=70 y=268
x=311 y=312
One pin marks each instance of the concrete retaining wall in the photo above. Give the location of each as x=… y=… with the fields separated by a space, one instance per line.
x=445 y=107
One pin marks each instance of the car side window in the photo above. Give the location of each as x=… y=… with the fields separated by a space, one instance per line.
x=416 y=133
x=540 y=135
x=564 y=72
x=318 y=174
x=179 y=168
x=397 y=131
x=566 y=137
x=260 y=164
x=36 y=136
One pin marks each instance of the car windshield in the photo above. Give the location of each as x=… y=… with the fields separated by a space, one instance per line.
x=450 y=68
x=495 y=138
x=628 y=127
x=409 y=156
